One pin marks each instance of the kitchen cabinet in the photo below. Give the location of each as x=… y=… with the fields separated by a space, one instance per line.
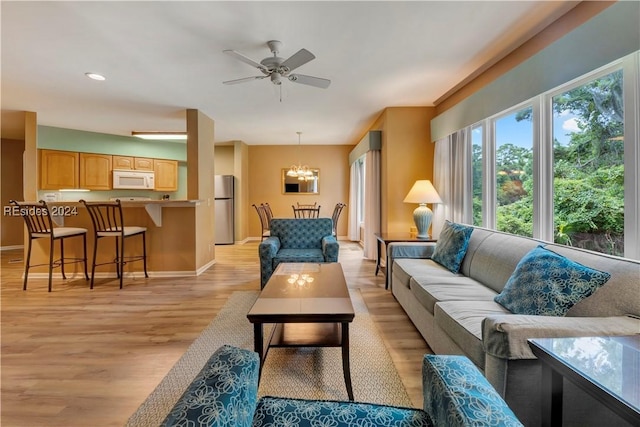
x=95 y=171
x=166 y=174
x=122 y=162
x=143 y=164
x=131 y=163
x=59 y=169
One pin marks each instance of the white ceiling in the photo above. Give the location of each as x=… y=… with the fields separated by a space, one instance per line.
x=163 y=57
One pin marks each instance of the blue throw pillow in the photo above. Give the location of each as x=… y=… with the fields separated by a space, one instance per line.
x=452 y=246
x=547 y=284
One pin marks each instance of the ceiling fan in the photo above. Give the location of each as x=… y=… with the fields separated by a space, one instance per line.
x=277 y=68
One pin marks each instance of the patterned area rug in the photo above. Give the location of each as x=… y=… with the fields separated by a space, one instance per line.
x=311 y=373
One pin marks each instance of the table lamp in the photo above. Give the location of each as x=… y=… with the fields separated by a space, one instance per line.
x=422 y=193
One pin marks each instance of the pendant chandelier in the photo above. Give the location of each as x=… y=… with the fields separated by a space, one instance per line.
x=303 y=173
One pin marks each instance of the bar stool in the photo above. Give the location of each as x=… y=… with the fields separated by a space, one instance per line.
x=37 y=218
x=108 y=221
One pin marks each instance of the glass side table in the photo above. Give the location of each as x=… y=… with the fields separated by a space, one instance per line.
x=607 y=367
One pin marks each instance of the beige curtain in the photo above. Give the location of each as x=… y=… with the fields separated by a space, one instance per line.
x=452 y=179
x=372 y=203
x=353 y=229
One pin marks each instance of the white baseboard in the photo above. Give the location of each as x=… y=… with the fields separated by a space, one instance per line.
x=11 y=248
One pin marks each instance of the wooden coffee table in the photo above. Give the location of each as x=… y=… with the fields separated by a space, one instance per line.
x=311 y=307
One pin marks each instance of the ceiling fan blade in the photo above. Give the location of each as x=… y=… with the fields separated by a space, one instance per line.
x=299 y=58
x=245 y=79
x=246 y=59
x=310 y=80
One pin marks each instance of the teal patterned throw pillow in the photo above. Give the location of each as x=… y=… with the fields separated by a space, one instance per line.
x=547 y=284
x=452 y=246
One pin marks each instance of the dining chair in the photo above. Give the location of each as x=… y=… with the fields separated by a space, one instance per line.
x=336 y=215
x=264 y=220
x=303 y=205
x=37 y=217
x=269 y=213
x=306 y=212
x=108 y=221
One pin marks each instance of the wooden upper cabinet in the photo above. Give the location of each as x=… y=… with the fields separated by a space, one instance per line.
x=123 y=162
x=59 y=169
x=143 y=164
x=166 y=174
x=95 y=171
x=131 y=163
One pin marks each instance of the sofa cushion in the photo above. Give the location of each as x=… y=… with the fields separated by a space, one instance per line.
x=619 y=296
x=452 y=245
x=545 y=283
x=298 y=255
x=462 y=322
x=279 y=411
x=429 y=291
x=422 y=269
x=492 y=257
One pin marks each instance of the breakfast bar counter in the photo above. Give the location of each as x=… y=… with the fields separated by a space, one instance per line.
x=174 y=247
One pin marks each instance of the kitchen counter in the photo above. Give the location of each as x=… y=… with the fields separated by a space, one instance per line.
x=175 y=246
x=153 y=207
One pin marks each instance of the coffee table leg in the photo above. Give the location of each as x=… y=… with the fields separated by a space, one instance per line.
x=258 y=344
x=346 y=369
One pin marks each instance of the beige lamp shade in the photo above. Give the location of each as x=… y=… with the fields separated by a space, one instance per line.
x=422 y=193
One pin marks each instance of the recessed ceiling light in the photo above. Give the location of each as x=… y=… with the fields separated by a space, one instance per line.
x=95 y=76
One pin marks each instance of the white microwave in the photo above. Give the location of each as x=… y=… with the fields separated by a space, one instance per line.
x=133 y=180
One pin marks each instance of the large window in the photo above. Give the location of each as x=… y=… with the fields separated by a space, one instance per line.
x=588 y=165
x=514 y=166
x=555 y=167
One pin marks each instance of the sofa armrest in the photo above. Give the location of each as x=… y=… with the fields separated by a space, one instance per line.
x=330 y=248
x=456 y=394
x=410 y=250
x=225 y=391
x=505 y=336
x=267 y=250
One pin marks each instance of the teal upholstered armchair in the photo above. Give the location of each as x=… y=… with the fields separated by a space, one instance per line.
x=297 y=240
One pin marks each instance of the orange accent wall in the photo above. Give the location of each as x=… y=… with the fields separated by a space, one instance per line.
x=265 y=180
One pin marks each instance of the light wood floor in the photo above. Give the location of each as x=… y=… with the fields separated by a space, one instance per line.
x=80 y=357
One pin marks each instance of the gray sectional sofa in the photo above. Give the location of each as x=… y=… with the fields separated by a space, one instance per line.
x=457 y=314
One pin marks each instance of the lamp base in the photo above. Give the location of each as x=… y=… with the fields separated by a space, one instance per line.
x=422 y=217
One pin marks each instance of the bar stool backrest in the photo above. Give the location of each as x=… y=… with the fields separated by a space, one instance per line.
x=36 y=216
x=106 y=216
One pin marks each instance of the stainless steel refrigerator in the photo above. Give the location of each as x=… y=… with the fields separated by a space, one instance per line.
x=223 y=199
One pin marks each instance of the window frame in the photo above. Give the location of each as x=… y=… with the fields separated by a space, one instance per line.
x=543 y=167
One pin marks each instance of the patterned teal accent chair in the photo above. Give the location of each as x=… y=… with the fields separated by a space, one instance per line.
x=223 y=394
x=456 y=394
x=297 y=240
